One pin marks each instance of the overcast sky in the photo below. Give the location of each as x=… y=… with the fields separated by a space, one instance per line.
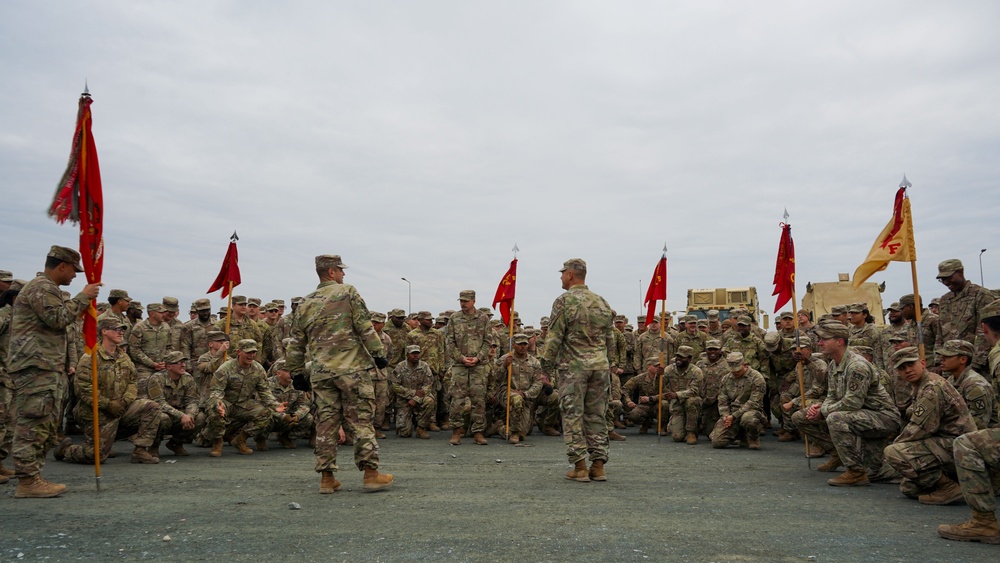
x=424 y=139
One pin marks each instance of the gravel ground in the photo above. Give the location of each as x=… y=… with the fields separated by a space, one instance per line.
x=663 y=501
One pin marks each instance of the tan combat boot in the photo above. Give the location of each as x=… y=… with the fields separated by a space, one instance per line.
x=831 y=464
x=143 y=455
x=434 y=428
x=422 y=434
x=456 y=437
x=788 y=437
x=479 y=439
x=692 y=438
x=240 y=443
x=579 y=472
x=614 y=436
x=851 y=478
x=6 y=472
x=550 y=431
x=596 y=472
x=945 y=492
x=375 y=481
x=982 y=527
x=36 y=487
x=285 y=441
x=514 y=439
x=753 y=443
x=177 y=448
x=261 y=443
x=328 y=484
x=216 y=448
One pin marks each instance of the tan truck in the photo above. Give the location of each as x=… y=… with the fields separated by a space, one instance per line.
x=723 y=299
x=820 y=297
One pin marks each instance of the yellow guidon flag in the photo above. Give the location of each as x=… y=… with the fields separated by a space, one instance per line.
x=894 y=243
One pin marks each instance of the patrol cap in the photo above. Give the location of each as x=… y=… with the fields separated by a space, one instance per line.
x=689 y=319
x=279 y=303
x=907 y=299
x=897 y=337
x=936 y=301
x=856 y=308
x=17 y=285
x=957 y=348
x=376 y=317
x=685 y=351
x=174 y=357
x=101 y=306
x=735 y=360
x=279 y=365
x=744 y=320
x=327 y=261
x=806 y=312
x=239 y=300
x=804 y=342
x=133 y=304
x=467 y=295
x=713 y=344
x=543 y=322
x=67 y=255
x=655 y=319
x=216 y=336
x=864 y=350
x=8 y=276
x=485 y=311
x=441 y=320
x=894 y=307
x=253 y=301
x=521 y=338
x=109 y=323
x=832 y=329
x=119 y=293
x=412 y=348
x=772 y=341
x=298 y=300
x=712 y=314
x=575 y=264
x=155 y=307
x=641 y=319
x=248 y=345
x=621 y=318
x=703 y=323
x=945 y=269
x=629 y=328
x=193 y=309
x=424 y=315
x=838 y=310
x=397 y=313
x=786 y=315
x=272 y=306
x=905 y=356
x=223 y=311
x=991 y=310
x=171 y=304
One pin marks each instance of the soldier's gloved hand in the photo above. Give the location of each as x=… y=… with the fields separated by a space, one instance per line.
x=116 y=408
x=301 y=382
x=380 y=362
x=547 y=389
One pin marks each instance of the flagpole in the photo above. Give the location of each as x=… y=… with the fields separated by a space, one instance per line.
x=229 y=316
x=510 y=368
x=659 y=399
x=798 y=369
x=92 y=311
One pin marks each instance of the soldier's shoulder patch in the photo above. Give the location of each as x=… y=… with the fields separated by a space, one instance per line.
x=919 y=411
x=853 y=386
x=979 y=404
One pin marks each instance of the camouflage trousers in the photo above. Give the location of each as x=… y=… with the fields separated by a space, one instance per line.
x=861 y=437
x=383 y=401
x=684 y=414
x=921 y=463
x=817 y=432
x=37 y=401
x=6 y=419
x=977 y=456
x=142 y=418
x=613 y=413
x=547 y=410
x=647 y=414
x=583 y=400
x=302 y=429
x=747 y=426
x=708 y=418
x=347 y=400
x=423 y=412
x=170 y=426
x=254 y=419
x=468 y=395
x=520 y=412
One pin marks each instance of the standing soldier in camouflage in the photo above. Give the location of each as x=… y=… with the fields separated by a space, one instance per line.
x=909 y=314
x=715 y=328
x=922 y=452
x=691 y=336
x=432 y=352
x=858 y=412
x=333 y=332
x=397 y=330
x=7 y=297
x=119 y=301
x=171 y=310
x=977 y=456
x=651 y=347
x=37 y=364
x=380 y=379
x=241 y=326
x=148 y=343
x=961 y=310
x=119 y=408
x=577 y=349
x=741 y=405
x=134 y=313
x=194 y=333
x=467 y=345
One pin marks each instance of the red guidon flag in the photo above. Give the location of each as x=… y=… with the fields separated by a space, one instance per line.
x=79 y=199
x=230 y=271
x=505 y=292
x=894 y=244
x=784 y=269
x=657 y=289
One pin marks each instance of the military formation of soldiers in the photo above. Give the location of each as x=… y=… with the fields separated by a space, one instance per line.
x=332 y=372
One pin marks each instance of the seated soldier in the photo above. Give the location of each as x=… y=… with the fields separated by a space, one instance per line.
x=642 y=396
x=174 y=390
x=210 y=362
x=120 y=412
x=814 y=383
x=524 y=385
x=682 y=386
x=240 y=401
x=741 y=405
x=297 y=420
x=978 y=393
x=413 y=385
x=713 y=368
x=922 y=452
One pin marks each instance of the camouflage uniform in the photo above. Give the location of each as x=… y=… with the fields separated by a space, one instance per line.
x=959 y=315
x=6 y=386
x=37 y=365
x=645 y=414
x=858 y=413
x=864 y=335
x=398 y=335
x=468 y=335
x=685 y=410
x=247 y=329
x=649 y=347
x=194 y=341
x=577 y=349
x=147 y=346
x=116 y=382
x=176 y=399
x=884 y=350
x=753 y=350
x=696 y=341
x=813 y=374
x=406 y=381
x=204 y=371
x=525 y=376
x=931 y=325
x=977 y=456
x=247 y=398
x=712 y=376
x=432 y=352
x=979 y=397
x=333 y=332
x=743 y=399
x=298 y=406
x=383 y=390
x=923 y=449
